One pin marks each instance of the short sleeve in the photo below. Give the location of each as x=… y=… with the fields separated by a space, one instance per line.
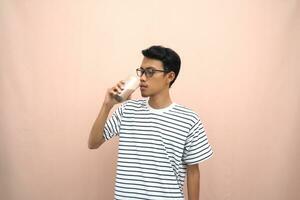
x=197 y=147
x=112 y=125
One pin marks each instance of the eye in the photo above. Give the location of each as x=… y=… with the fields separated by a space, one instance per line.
x=150 y=70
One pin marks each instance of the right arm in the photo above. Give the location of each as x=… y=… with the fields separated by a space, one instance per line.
x=96 y=138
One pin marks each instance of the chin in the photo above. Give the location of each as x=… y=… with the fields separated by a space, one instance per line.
x=144 y=94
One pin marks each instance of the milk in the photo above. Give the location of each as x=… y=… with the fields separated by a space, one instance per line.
x=131 y=84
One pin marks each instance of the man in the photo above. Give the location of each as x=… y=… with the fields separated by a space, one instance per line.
x=160 y=142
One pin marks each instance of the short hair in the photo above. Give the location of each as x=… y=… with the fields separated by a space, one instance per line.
x=170 y=59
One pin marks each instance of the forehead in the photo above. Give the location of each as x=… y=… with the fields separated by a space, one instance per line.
x=152 y=63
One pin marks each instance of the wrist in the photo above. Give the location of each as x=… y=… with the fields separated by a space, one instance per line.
x=107 y=106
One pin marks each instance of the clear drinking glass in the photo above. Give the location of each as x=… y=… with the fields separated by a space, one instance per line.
x=131 y=84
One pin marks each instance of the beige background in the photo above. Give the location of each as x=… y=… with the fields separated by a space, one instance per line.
x=240 y=72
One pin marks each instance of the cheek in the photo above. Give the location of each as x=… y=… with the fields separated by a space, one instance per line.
x=157 y=85
x=154 y=83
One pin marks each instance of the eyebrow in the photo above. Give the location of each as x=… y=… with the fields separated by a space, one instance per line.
x=148 y=67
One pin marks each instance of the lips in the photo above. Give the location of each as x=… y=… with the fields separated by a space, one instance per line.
x=143 y=87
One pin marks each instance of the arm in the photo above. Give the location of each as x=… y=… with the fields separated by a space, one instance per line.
x=96 y=138
x=193 y=182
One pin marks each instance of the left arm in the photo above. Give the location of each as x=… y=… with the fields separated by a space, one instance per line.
x=193 y=181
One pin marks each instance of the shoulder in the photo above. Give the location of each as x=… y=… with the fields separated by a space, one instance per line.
x=196 y=123
x=185 y=110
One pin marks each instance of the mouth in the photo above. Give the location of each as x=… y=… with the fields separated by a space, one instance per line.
x=143 y=87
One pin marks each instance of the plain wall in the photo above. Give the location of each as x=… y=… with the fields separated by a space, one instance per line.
x=240 y=73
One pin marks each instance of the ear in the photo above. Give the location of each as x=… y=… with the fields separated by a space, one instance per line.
x=171 y=76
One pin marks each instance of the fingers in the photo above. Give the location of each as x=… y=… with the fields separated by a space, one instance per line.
x=117 y=89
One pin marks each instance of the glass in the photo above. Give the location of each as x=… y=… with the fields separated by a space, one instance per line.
x=149 y=72
x=131 y=84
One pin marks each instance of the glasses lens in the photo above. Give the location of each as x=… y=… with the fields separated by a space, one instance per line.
x=149 y=73
x=139 y=72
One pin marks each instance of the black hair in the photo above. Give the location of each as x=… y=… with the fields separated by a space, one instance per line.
x=170 y=59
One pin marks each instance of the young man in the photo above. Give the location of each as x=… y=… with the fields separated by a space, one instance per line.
x=160 y=142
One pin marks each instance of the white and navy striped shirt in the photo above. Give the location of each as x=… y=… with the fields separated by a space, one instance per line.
x=155 y=147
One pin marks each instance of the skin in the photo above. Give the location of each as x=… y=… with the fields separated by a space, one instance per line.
x=157 y=86
x=157 y=89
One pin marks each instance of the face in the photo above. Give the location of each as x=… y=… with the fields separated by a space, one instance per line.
x=159 y=82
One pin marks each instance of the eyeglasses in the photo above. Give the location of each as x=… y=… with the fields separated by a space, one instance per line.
x=149 y=72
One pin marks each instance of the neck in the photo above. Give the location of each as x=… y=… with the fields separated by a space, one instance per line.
x=160 y=100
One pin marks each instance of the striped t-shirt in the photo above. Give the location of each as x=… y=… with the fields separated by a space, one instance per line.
x=155 y=147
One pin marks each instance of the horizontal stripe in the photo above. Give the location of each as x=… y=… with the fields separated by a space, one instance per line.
x=155 y=148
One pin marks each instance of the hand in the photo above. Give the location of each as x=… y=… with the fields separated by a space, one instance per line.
x=111 y=92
